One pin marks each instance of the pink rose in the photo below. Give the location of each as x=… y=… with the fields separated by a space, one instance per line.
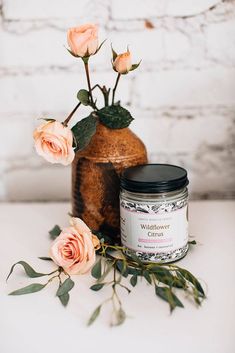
x=122 y=64
x=74 y=249
x=54 y=142
x=83 y=40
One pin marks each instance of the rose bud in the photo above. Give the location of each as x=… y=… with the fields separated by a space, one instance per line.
x=122 y=63
x=74 y=249
x=83 y=40
x=54 y=142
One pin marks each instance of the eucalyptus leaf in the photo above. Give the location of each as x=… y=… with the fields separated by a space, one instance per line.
x=64 y=299
x=166 y=294
x=147 y=276
x=94 y=315
x=83 y=96
x=28 y=269
x=163 y=275
x=119 y=317
x=189 y=277
x=121 y=266
x=32 y=288
x=83 y=131
x=133 y=280
x=97 y=286
x=96 y=269
x=65 y=287
x=115 y=117
x=55 y=232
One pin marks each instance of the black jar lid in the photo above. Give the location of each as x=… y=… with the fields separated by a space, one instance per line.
x=154 y=178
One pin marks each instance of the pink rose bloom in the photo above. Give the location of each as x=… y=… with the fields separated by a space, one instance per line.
x=83 y=40
x=54 y=142
x=122 y=64
x=74 y=249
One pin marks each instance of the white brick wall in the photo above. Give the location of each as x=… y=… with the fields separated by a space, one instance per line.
x=183 y=95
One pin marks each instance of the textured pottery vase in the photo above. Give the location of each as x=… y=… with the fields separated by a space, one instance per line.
x=95 y=176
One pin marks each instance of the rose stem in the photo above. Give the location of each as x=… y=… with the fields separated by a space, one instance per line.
x=65 y=123
x=89 y=83
x=115 y=87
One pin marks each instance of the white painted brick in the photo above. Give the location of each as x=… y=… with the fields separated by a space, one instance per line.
x=50 y=182
x=188 y=7
x=221 y=41
x=52 y=92
x=15 y=137
x=149 y=8
x=45 y=47
x=146 y=44
x=177 y=45
x=185 y=88
x=180 y=134
x=43 y=9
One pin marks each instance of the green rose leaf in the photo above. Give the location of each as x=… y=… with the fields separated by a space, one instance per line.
x=96 y=270
x=45 y=258
x=32 y=288
x=166 y=294
x=65 y=287
x=55 y=232
x=115 y=117
x=97 y=286
x=28 y=269
x=64 y=299
x=94 y=315
x=83 y=131
x=83 y=96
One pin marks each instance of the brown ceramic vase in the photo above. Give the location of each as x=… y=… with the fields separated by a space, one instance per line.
x=95 y=177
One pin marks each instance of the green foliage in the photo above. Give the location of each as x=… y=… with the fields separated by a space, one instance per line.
x=94 y=315
x=65 y=287
x=64 y=299
x=28 y=270
x=115 y=117
x=32 y=288
x=97 y=286
x=55 y=232
x=83 y=131
x=83 y=96
x=96 y=270
x=166 y=294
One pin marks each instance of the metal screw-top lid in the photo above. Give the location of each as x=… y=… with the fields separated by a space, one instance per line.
x=154 y=178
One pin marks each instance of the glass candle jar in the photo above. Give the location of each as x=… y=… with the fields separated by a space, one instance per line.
x=154 y=212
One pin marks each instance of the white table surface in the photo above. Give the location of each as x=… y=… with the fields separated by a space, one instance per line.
x=38 y=323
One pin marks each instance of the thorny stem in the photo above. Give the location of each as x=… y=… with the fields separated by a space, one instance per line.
x=115 y=87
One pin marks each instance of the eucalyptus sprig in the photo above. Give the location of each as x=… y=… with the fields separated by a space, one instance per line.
x=65 y=281
x=166 y=279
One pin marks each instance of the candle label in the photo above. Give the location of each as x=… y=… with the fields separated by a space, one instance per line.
x=160 y=228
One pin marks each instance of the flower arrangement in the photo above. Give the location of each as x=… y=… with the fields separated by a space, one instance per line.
x=54 y=140
x=77 y=249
